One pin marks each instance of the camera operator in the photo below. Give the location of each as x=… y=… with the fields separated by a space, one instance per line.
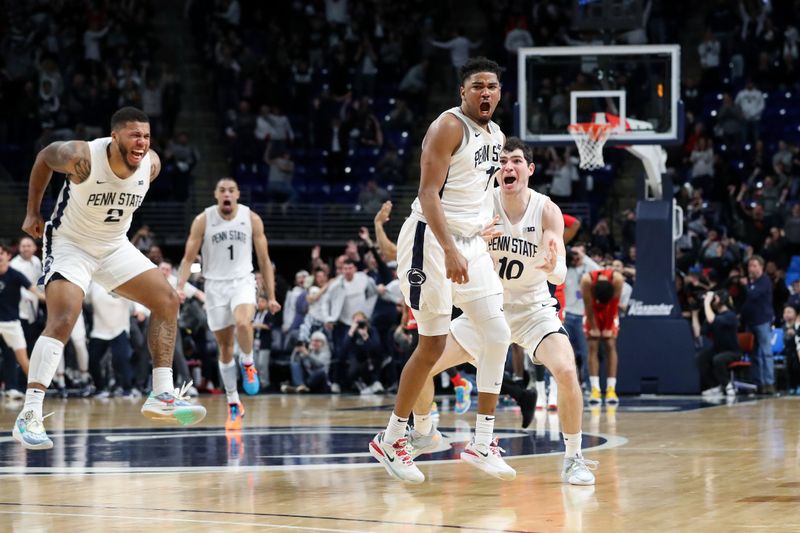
x=712 y=362
x=362 y=350
x=309 y=365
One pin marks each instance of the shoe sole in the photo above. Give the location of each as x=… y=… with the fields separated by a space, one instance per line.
x=18 y=437
x=374 y=450
x=613 y=401
x=579 y=483
x=480 y=465
x=184 y=418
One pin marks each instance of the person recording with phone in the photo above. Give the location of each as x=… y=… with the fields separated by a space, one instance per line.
x=712 y=362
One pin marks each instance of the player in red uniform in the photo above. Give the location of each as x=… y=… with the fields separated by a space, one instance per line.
x=601 y=290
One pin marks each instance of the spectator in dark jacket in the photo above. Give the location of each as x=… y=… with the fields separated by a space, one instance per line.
x=757 y=316
x=362 y=350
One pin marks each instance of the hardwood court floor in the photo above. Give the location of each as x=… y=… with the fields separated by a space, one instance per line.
x=301 y=464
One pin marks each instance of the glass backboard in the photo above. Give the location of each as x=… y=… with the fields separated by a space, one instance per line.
x=568 y=84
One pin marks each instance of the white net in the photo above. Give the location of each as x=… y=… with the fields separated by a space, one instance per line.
x=590 y=138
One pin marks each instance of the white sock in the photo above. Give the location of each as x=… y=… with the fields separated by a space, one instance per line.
x=45 y=357
x=396 y=429
x=595 y=381
x=247 y=358
x=540 y=390
x=611 y=383
x=553 y=389
x=484 y=429
x=81 y=356
x=34 y=398
x=423 y=424
x=162 y=381
x=229 y=375
x=572 y=442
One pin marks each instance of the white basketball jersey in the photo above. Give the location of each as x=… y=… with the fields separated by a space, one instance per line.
x=97 y=213
x=466 y=193
x=227 y=250
x=519 y=251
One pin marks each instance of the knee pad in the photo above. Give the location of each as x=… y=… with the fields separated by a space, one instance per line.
x=46 y=355
x=492 y=362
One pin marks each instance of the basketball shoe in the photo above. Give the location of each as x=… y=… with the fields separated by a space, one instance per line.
x=250 y=381
x=235 y=414
x=577 y=470
x=488 y=458
x=173 y=407
x=29 y=431
x=396 y=459
x=611 y=396
x=595 y=398
x=463 y=398
x=419 y=443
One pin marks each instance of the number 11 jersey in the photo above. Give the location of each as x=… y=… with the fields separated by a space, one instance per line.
x=227 y=251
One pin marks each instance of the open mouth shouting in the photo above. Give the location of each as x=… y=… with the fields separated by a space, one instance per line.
x=135 y=156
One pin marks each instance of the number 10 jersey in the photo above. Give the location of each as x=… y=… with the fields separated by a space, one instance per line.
x=518 y=253
x=227 y=251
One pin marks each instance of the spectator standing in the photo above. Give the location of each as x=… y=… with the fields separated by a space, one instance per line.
x=757 y=316
x=750 y=101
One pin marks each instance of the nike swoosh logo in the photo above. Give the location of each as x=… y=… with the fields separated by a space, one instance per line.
x=545 y=305
x=101 y=182
x=497 y=384
x=477 y=134
x=483 y=454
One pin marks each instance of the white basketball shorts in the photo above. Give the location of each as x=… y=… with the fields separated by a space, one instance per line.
x=72 y=261
x=224 y=295
x=423 y=278
x=12 y=334
x=529 y=324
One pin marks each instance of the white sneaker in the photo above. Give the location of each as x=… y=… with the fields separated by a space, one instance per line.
x=420 y=443
x=712 y=392
x=488 y=459
x=396 y=459
x=14 y=394
x=577 y=470
x=169 y=407
x=29 y=431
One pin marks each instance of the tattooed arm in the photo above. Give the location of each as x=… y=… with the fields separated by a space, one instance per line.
x=155 y=165
x=71 y=158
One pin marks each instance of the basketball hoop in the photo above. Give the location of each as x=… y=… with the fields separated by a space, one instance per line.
x=590 y=138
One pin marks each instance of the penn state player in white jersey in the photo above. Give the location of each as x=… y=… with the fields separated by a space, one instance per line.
x=85 y=240
x=225 y=235
x=527 y=246
x=443 y=260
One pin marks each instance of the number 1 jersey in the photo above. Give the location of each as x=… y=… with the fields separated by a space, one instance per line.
x=227 y=251
x=519 y=251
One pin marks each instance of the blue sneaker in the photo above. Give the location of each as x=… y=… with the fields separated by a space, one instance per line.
x=29 y=431
x=250 y=381
x=173 y=407
x=463 y=399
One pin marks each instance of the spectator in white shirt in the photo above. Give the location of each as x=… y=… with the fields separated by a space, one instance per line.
x=751 y=102
x=709 y=51
x=702 y=159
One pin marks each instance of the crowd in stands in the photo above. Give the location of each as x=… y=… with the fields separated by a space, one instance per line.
x=67 y=66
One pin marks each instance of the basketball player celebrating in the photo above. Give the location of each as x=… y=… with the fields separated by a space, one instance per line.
x=443 y=260
x=85 y=240
x=529 y=252
x=601 y=290
x=225 y=235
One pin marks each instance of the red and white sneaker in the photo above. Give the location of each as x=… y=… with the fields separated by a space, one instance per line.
x=396 y=459
x=488 y=459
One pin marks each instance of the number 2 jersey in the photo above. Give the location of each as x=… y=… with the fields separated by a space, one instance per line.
x=519 y=251
x=97 y=213
x=227 y=250
x=466 y=194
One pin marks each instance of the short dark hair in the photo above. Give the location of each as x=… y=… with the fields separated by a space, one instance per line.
x=603 y=291
x=515 y=143
x=127 y=114
x=226 y=178
x=349 y=261
x=6 y=248
x=478 y=64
